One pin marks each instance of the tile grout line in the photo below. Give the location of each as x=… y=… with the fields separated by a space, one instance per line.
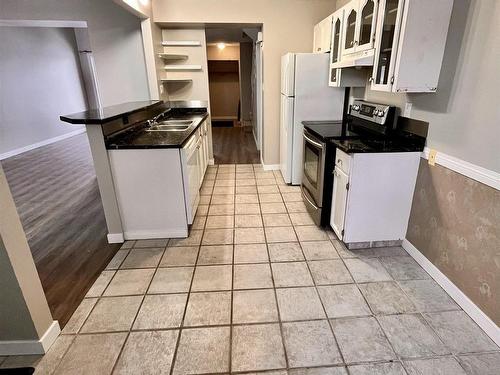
x=321 y=301
x=138 y=310
x=280 y=322
x=369 y=307
x=181 y=325
x=230 y=361
x=78 y=331
x=231 y=324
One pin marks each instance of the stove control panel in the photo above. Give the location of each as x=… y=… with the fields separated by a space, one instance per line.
x=378 y=113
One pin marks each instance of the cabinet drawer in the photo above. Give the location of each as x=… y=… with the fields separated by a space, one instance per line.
x=343 y=161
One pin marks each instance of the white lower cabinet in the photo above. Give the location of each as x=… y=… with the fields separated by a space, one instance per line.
x=158 y=190
x=372 y=195
x=339 y=201
x=191 y=159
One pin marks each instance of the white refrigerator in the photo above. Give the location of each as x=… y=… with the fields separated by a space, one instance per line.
x=305 y=96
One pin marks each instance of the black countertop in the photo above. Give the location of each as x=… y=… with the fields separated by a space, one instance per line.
x=351 y=142
x=100 y=116
x=371 y=145
x=140 y=138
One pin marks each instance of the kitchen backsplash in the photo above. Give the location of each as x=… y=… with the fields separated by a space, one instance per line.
x=455 y=223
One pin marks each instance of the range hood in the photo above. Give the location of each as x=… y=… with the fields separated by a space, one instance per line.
x=355 y=60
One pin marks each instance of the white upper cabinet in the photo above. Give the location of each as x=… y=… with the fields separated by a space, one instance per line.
x=409 y=44
x=339 y=77
x=323 y=36
x=359 y=26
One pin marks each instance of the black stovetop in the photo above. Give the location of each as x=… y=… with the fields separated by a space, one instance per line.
x=367 y=145
x=326 y=130
x=348 y=141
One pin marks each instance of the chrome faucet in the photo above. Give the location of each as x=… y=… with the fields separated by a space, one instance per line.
x=154 y=119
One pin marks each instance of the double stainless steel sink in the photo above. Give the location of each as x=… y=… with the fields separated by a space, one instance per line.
x=171 y=126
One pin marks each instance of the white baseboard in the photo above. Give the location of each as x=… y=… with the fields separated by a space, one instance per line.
x=145 y=235
x=476 y=314
x=115 y=238
x=211 y=161
x=27 y=347
x=270 y=167
x=46 y=142
x=480 y=174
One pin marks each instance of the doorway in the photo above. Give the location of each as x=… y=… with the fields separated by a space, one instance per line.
x=232 y=75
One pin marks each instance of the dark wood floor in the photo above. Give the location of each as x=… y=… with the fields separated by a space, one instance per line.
x=234 y=145
x=56 y=194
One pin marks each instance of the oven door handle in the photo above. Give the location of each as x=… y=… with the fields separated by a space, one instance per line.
x=317 y=144
x=304 y=194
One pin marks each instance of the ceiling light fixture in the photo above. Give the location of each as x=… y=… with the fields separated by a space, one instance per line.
x=221 y=46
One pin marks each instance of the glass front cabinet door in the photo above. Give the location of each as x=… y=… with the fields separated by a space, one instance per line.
x=367 y=24
x=351 y=20
x=360 y=23
x=386 y=41
x=336 y=48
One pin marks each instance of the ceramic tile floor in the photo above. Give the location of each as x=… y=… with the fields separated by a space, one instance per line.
x=258 y=288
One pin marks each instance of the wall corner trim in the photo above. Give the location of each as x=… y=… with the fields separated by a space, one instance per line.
x=27 y=347
x=270 y=167
x=470 y=308
x=115 y=238
x=480 y=174
x=46 y=142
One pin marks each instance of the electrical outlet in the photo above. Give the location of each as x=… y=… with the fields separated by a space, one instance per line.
x=407 y=111
x=432 y=157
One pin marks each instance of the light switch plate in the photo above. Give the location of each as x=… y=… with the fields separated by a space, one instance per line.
x=432 y=157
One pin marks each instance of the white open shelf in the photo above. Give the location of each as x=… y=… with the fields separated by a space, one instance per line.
x=172 y=56
x=176 y=80
x=181 y=43
x=182 y=67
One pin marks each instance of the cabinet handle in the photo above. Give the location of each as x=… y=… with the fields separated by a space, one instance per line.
x=352 y=42
x=371 y=79
x=339 y=162
x=356 y=42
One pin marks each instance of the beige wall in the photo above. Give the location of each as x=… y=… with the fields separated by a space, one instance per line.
x=287 y=27
x=24 y=312
x=115 y=38
x=231 y=52
x=197 y=55
x=464 y=114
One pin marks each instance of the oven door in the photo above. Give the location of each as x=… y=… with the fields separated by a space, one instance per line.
x=314 y=168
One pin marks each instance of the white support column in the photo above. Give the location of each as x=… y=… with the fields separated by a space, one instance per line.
x=26 y=324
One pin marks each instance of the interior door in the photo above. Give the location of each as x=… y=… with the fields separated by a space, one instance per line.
x=387 y=36
x=339 y=201
x=350 y=27
x=367 y=24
